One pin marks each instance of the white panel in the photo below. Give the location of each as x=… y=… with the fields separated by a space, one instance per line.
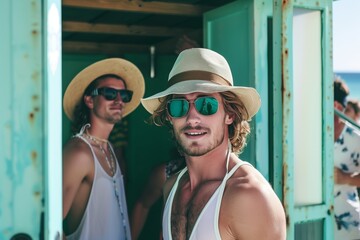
x=53 y=150
x=307 y=106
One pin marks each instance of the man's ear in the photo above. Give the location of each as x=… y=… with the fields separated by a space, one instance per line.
x=229 y=119
x=89 y=101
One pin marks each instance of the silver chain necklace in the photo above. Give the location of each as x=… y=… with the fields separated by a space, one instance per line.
x=111 y=165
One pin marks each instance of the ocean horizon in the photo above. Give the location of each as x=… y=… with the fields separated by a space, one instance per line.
x=352 y=79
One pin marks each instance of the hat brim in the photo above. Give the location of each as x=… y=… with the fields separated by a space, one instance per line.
x=126 y=70
x=249 y=96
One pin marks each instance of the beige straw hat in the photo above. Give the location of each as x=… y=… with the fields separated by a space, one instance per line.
x=203 y=70
x=126 y=70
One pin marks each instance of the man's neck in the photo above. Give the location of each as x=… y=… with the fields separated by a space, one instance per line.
x=100 y=131
x=211 y=166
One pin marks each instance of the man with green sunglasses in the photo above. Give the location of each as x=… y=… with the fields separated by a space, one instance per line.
x=217 y=195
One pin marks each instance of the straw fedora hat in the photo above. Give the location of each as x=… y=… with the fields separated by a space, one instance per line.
x=203 y=70
x=126 y=70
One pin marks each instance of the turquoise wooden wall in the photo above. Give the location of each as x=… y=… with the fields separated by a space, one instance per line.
x=305 y=221
x=30 y=122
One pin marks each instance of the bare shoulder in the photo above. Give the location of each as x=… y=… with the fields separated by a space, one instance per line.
x=75 y=146
x=251 y=208
x=77 y=153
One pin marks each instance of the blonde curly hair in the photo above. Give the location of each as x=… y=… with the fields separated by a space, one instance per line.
x=238 y=130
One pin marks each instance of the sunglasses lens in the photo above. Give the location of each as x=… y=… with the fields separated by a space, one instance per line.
x=109 y=93
x=206 y=105
x=126 y=95
x=178 y=108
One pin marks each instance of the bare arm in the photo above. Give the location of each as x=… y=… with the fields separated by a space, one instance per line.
x=151 y=193
x=77 y=165
x=351 y=179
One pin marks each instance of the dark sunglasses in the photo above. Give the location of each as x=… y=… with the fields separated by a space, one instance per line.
x=179 y=107
x=111 y=93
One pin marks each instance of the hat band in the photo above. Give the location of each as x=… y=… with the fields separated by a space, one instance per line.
x=198 y=75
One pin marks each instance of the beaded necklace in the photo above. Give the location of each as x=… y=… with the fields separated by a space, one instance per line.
x=111 y=165
x=111 y=162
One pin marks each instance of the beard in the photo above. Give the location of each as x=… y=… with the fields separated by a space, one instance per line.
x=195 y=149
x=114 y=119
x=108 y=116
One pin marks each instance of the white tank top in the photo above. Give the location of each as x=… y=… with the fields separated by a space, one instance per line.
x=207 y=225
x=103 y=217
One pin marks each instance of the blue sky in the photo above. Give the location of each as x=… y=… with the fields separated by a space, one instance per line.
x=346 y=35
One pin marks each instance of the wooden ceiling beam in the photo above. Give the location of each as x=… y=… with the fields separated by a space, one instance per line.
x=153 y=7
x=110 y=49
x=83 y=27
x=163 y=47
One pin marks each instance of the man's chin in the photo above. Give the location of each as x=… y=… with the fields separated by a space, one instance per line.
x=116 y=119
x=194 y=151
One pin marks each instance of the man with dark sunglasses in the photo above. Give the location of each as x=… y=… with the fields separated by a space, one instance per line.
x=94 y=204
x=217 y=196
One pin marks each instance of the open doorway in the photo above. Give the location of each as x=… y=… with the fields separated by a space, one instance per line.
x=131 y=29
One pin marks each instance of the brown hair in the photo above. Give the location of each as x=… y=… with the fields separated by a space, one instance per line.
x=355 y=105
x=341 y=90
x=233 y=106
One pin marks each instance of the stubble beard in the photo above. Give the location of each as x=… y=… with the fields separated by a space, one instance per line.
x=114 y=117
x=109 y=117
x=194 y=149
x=114 y=120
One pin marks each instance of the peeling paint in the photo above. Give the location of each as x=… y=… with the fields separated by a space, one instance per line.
x=31 y=117
x=329 y=129
x=35 y=75
x=285 y=171
x=34 y=157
